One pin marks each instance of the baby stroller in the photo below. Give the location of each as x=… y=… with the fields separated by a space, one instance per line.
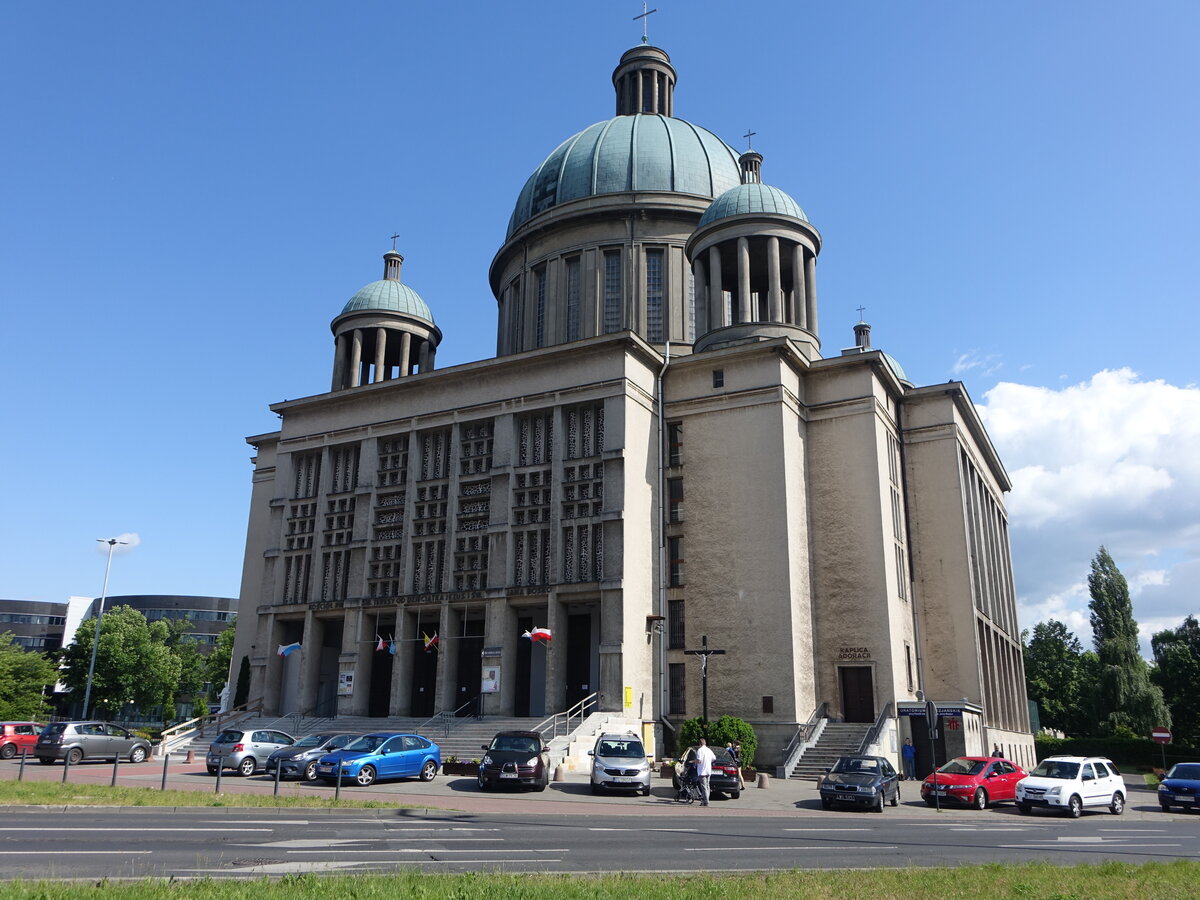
x=689 y=790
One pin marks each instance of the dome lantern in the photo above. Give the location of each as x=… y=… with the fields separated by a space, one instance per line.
x=645 y=82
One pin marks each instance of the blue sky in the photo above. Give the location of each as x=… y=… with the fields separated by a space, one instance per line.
x=193 y=191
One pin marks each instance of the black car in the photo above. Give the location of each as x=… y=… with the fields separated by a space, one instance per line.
x=300 y=759
x=861 y=781
x=517 y=759
x=724 y=778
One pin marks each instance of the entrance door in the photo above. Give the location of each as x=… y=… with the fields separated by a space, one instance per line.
x=470 y=655
x=380 y=697
x=524 y=655
x=858 y=693
x=579 y=658
x=423 y=695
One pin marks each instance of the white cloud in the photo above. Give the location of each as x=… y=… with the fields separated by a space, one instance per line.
x=971 y=360
x=1114 y=460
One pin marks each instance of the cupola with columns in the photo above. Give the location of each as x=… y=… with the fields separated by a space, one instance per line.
x=385 y=331
x=753 y=257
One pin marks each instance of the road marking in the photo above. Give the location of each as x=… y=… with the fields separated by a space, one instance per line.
x=761 y=849
x=432 y=850
x=341 y=842
x=1110 y=845
x=226 y=830
x=72 y=852
x=826 y=829
x=680 y=830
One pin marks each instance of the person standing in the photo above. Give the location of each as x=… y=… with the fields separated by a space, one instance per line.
x=704 y=761
x=736 y=753
x=909 y=752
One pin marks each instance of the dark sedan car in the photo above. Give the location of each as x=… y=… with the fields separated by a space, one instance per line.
x=1180 y=787
x=516 y=759
x=861 y=781
x=300 y=759
x=724 y=778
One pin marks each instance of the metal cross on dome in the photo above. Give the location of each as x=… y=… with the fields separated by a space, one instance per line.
x=747 y=136
x=645 y=17
x=394 y=237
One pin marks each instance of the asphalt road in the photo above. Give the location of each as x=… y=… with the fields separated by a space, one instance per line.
x=86 y=842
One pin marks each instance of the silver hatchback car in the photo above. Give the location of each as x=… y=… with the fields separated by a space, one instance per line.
x=246 y=751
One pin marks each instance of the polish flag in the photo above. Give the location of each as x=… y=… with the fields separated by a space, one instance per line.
x=539 y=634
x=285 y=649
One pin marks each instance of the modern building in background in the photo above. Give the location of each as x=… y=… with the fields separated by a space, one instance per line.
x=208 y=616
x=663 y=452
x=42 y=625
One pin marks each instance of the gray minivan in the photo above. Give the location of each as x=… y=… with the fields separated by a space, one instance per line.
x=88 y=740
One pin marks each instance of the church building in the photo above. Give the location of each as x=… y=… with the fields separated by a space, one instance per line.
x=663 y=456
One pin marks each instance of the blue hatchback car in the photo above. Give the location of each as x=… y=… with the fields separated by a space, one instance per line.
x=382 y=755
x=1180 y=787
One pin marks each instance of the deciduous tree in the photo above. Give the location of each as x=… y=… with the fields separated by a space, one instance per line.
x=1177 y=673
x=25 y=677
x=1053 y=675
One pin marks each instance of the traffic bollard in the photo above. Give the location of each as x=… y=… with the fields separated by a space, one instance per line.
x=278 y=769
x=116 y=765
x=166 y=761
x=220 y=769
x=337 y=791
x=21 y=771
x=66 y=766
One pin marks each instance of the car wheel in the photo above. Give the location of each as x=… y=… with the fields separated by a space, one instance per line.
x=878 y=804
x=980 y=800
x=1166 y=807
x=212 y=770
x=310 y=771
x=1118 y=804
x=482 y=782
x=45 y=762
x=365 y=776
x=596 y=789
x=8 y=751
x=74 y=755
x=1023 y=808
x=1074 y=807
x=895 y=801
x=247 y=767
x=646 y=792
x=930 y=802
x=137 y=755
x=429 y=770
x=826 y=803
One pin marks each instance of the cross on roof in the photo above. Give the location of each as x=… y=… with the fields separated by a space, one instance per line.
x=861 y=310
x=645 y=17
x=747 y=136
x=394 y=237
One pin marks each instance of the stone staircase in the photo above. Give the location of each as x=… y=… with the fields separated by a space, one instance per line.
x=838 y=739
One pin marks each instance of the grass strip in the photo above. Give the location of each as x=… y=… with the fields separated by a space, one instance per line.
x=1030 y=881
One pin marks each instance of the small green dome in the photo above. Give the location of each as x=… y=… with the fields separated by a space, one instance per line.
x=752 y=198
x=389 y=295
x=629 y=153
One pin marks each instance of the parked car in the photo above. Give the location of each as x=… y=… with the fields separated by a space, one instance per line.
x=517 y=759
x=88 y=740
x=977 y=781
x=724 y=778
x=860 y=781
x=300 y=759
x=382 y=755
x=1071 y=783
x=1180 y=787
x=245 y=750
x=15 y=736
x=619 y=764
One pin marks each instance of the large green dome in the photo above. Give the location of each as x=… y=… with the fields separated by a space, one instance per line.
x=752 y=198
x=391 y=296
x=629 y=153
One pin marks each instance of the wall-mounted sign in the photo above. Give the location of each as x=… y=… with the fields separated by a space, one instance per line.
x=489 y=682
x=854 y=653
x=345 y=684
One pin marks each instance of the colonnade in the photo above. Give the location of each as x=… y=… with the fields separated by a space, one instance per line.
x=370 y=355
x=789 y=300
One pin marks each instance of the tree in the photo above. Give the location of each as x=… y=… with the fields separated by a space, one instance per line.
x=133 y=663
x=24 y=677
x=725 y=730
x=216 y=664
x=1177 y=673
x=1053 y=668
x=191 y=666
x=1125 y=697
x=242 y=693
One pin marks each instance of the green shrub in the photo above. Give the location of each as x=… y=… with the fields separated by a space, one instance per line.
x=725 y=730
x=1131 y=752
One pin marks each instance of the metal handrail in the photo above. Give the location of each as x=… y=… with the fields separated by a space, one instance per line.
x=580 y=710
x=800 y=740
x=872 y=735
x=446 y=718
x=177 y=734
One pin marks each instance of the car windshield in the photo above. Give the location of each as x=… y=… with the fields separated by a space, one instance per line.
x=963 y=766
x=1056 y=768
x=312 y=740
x=621 y=749
x=856 y=766
x=228 y=737
x=368 y=743
x=1185 y=770
x=55 y=728
x=514 y=743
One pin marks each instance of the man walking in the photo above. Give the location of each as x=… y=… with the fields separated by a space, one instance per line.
x=704 y=761
x=909 y=752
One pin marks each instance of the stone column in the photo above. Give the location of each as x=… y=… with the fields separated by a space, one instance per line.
x=356 y=358
x=339 y=363
x=432 y=355
x=353 y=646
x=810 y=298
x=445 y=680
x=774 y=294
x=654 y=93
x=423 y=356
x=799 y=302
x=400 y=702
x=405 y=350
x=716 y=300
x=637 y=106
x=310 y=662
x=380 y=354
x=745 y=313
x=556 y=655
x=702 y=304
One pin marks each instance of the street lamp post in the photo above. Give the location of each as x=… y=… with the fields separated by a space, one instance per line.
x=87 y=694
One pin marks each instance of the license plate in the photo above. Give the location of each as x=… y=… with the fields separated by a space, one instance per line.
x=622 y=781
x=324 y=768
x=508 y=774
x=847 y=797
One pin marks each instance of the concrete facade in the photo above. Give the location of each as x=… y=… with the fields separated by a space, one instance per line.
x=659 y=453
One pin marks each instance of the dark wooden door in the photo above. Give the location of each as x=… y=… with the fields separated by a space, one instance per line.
x=423 y=695
x=858 y=693
x=380 y=697
x=579 y=658
x=524 y=657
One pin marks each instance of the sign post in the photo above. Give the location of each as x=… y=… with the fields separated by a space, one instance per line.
x=931 y=718
x=1161 y=736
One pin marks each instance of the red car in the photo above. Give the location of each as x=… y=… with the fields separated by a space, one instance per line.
x=977 y=781
x=15 y=735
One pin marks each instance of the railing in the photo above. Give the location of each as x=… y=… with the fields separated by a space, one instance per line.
x=872 y=736
x=447 y=720
x=560 y=723
x=183 y=732
x=805 y=736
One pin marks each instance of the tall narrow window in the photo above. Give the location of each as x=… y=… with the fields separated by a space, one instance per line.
x=573 y=299
x=691 y=308
x=675 y=499
x=675 y=625
x=540 y=289
x=677 y=681
x=675 y=552
x=674 y=443
x=654 y=296
x=612 y=291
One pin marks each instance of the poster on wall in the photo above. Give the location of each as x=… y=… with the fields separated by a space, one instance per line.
x=490 y=682
x=345 y=683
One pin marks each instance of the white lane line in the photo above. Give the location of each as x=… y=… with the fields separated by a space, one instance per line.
x=402 y=829
x=138 y=830
x=680 y=830
x=72 y=852
x=438 y=850
x=763 y=849
x=319 y=844
x=818 y=830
